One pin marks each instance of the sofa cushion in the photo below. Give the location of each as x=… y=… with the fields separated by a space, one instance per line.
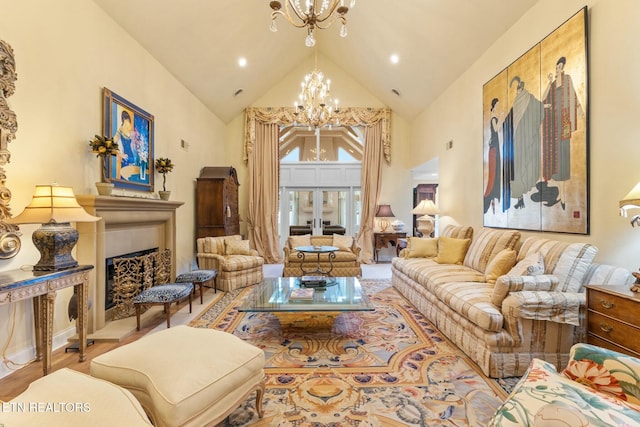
x=451 y=251
x=237 y=247
x=568 y=261
x=430 y=274
x=457 y=232
x=418 y=247
x=472 y=301
x=487 y=244
x=500 y=265
x=304 y=240
x=240 y=263
x=531 y=265
x=343 y=243
x=214 y=245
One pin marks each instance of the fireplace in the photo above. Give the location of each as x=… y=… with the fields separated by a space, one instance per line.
x=128 y=225
x=109 y=271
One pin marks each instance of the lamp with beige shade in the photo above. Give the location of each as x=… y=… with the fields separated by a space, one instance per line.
x=55 y=207
x=426 y=222
x=632 y=201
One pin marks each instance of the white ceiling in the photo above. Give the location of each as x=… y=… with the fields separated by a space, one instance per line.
x=200 y=41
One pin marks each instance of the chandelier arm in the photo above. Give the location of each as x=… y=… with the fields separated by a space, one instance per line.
x=333 y=17
x=288 y=6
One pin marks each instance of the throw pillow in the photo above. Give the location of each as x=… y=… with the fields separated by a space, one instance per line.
x=304 y=240
x=418 y=247
x=237 y=247
x=343 y=243
x=451 y=251
x=531 y=265
x=500 y=265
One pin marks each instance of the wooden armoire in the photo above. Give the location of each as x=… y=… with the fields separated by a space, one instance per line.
x=217 y=202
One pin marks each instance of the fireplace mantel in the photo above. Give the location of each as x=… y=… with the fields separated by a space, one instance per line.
x=128 y=224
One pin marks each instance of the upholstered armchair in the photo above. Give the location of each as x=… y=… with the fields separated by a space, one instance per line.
x=345 y=264
x=237 y=264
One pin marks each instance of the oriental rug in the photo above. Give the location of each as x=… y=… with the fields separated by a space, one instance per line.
x=388 y=367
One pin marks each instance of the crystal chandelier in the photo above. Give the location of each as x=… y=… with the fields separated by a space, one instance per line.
x=312 y=14
x=315 y=107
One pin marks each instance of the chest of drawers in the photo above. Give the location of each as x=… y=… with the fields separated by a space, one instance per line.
x=613 y=318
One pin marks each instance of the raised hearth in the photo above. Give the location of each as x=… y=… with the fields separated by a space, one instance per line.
x=128 y=225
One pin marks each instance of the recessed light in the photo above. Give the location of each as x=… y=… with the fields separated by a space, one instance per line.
x=394 y=58
x=242 y=62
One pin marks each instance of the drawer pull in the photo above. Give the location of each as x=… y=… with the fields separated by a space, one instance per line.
x=607 y=304
x=605 y=328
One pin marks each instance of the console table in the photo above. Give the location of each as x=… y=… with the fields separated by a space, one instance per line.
x=41 y=287
x=383 y=240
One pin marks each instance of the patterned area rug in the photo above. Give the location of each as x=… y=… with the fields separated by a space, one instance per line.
x=389 y=367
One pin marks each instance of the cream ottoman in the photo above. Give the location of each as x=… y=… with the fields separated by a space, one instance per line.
x=186 y=376
x=69 y=398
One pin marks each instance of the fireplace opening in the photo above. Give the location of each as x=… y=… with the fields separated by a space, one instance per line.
x=108 y=291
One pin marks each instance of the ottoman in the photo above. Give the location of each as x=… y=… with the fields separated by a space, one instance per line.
x=163 y=295
x=69 y=398
x=198 y=277
x=186 y=376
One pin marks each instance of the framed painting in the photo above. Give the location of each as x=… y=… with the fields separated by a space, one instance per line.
x=132 y=129
x=536 y=136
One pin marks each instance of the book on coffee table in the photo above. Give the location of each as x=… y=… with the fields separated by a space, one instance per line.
x=313 y=280
x=301 y=294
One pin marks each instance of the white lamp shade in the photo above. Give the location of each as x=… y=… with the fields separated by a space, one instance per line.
x=52 y=203
x=425 y=207
x=631 y=200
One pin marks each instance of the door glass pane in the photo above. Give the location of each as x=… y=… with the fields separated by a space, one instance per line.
x=300 y=212
x=334 y=212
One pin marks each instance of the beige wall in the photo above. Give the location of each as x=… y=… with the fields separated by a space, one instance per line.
x=66 y=51
x=614 y=112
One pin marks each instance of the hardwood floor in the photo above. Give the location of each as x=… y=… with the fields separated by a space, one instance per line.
x=16 y=383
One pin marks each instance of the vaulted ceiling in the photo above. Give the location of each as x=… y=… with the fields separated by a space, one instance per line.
x=200 y=41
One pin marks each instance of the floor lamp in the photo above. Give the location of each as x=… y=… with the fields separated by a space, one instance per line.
x=426 y=223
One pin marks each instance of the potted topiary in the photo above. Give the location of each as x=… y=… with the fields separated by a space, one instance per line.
x=103 y=147
x=164 y=166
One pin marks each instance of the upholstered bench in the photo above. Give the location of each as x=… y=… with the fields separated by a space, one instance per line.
x=186 y=376
x=198 y=278
x=163 y=295
x=69 y=398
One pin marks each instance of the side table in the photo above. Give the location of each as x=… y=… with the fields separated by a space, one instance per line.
x=304 y=250
x=383 y=240
x=612 y=320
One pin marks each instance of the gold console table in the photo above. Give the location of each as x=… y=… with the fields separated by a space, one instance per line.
x=41 y=287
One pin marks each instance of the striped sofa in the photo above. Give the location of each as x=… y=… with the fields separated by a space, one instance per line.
x=502 y=326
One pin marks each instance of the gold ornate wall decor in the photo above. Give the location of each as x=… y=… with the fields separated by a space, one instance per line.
x=352 y=116
x=9 y=233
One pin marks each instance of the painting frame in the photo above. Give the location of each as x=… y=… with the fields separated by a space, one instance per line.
x=132 y=128
x=536 y=136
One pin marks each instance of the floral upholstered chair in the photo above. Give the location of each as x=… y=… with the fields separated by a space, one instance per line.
x=598 y=387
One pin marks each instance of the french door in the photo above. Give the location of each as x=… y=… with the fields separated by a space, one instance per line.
x=318 y=211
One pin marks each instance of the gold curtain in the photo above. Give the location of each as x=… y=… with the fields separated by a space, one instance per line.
x=262 y=157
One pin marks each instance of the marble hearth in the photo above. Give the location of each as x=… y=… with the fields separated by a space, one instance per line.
x=128 y=225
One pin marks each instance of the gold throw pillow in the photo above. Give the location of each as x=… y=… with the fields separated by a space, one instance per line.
x=451 y=251
x=419 y=247
x=237 y=247
x=500 y=265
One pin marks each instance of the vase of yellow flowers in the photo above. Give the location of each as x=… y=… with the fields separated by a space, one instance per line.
x=104 y=147
x=164 y=166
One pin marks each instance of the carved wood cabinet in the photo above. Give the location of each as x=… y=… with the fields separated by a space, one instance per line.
x=217 y=202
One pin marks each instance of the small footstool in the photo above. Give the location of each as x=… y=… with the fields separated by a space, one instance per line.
x=186 y=376
x=76 y=399
x=163 y=295
x=198 y=277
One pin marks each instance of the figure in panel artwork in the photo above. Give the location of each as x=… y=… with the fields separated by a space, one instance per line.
x=521 y=146
x=561 y=111
x=494 y=163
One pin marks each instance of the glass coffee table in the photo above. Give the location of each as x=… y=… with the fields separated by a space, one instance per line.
x=283 y=297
